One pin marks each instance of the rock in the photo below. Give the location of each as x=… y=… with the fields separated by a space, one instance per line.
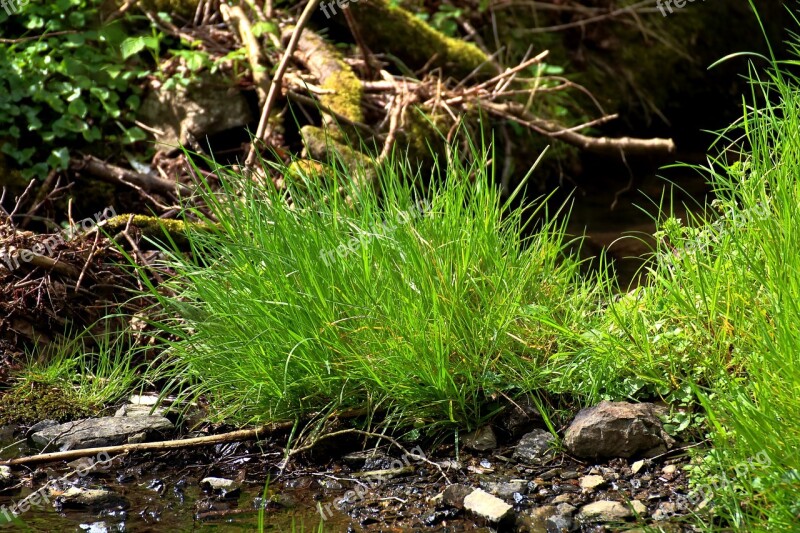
x=83 y=497
x=589 y=483
x=559 y=524
x=6 y=477
x=140 y=410
x=207 y=106
x=39 y=426
x=146 y=399
x=639 y=508
x=617 y=429
x=481 y=439
x=535 y=520
x=550 y=474
x=220 y=485
x=665 y=511
x=547 y=519
x=535 y=447
x=519 y=417
x=96 y=527
x=505 y=489
x=638 y=465
x=604 y=511
x=566 y=509
x=669 y=470
x=562 y=499
x=487 y=507
x=454 y=495
x=106 y=431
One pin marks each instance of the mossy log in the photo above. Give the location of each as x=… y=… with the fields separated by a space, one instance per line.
x=320 y=145
x=335 y=76
x=156 y=228
x=394 y=30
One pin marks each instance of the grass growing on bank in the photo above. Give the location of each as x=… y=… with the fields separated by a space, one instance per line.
x=716 y=329
x=74 y=378
x=428 y=305
x=433 y=306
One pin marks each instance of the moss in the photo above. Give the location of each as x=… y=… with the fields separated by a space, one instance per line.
x=29 y=402
x=394 y=30
x=306 y=168
x=346 y=98
x=154 y=227
x=320 y=145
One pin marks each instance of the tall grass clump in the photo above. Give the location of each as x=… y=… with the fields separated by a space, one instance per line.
x=427 y=304
x=718 y=323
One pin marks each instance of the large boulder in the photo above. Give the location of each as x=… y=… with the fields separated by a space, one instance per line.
x=617 y=429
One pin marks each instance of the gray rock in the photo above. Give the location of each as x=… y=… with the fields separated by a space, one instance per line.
x=486 y=507
x=520 y=416
x=566 y=509
x=106 y=431
x=535 y=447
x=559 y=524
x=144 y=399
x=207 y=106
x=481 y=439
x=505 y=489
x=140 y=410
x=220 y=485
x=604 y=511
x=665 y=511
x=454 y=495
x=563 y=499
x=38 y=426
x=617 y=429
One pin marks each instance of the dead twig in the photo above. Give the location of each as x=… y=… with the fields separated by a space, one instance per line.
x=262 y=132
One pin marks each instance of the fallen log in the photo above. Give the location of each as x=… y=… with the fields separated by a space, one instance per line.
x=118 y=175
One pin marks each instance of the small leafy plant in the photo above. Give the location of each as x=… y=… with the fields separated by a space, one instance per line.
x=63 y=84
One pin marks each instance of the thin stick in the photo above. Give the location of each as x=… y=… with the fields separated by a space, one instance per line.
x=244 y=434
x=233 y=436
x=262 y=131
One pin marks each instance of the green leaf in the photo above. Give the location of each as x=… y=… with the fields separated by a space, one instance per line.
x=77 y=107
x=132 y=135
x=131 y=46
x=59 y=158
